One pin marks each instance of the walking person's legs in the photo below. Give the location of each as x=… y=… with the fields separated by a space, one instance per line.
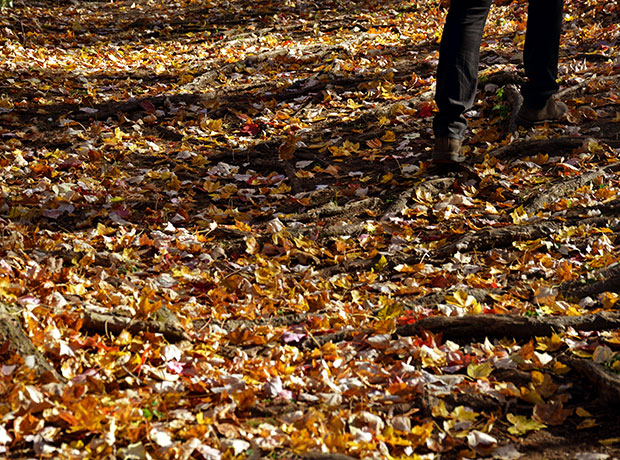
x=457 y=74
x=540 y=59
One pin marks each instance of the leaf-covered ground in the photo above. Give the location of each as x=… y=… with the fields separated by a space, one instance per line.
x=222 y=237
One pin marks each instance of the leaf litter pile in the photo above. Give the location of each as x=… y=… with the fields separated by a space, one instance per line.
x=222 y=236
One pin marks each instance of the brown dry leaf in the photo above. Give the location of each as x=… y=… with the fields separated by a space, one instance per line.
x=551 y=413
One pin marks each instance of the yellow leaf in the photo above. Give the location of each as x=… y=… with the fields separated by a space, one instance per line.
x=464 y=300
x=338 y=151
x=544 y=384
x=464 y=414
x=581 y=412
x=186 y=78
x=264 y=275
x=391 y=310
x=440 y=410
x=351 y=146
x=145 y=307
x=211 y=186
x=476 y=371
x=522 y=424
x=608 y=299
x=252 y=246
x=531 y=396
x=381 y=264
x=118 y=134
x=5 y=102
x=422 y=432
x=387 y=177
x=242 y=226
x=175 y=183
x=211 y=125
x=518 y=215
x=581 y=353
x=552 y=343
x=609 y=441
x=389 y=136
x=352 y=104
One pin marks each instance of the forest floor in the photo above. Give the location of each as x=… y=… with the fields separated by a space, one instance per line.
x=222 y=236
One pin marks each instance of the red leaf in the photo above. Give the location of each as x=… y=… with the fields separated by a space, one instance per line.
x=251 y=128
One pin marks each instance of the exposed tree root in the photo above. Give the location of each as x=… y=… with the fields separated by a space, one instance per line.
x=13 y=334
x=276 y=321
x=432 y=185
x=477 y=402
x=440 y=297
x=559 y=190
x=325 y=456
x=608 y=280
x=498 y=237
x=607 y=384
x=332 y=209
x=302 y=53
x=348 y=266
x=109 y=109
x=514 y=97
x=105 y=323
x=518 y=327
x=578 y=89
x=481 y=326
x=556 y=145
x=398 y=206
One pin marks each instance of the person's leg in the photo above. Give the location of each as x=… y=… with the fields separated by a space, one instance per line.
x=540 y=55
x=457 y=72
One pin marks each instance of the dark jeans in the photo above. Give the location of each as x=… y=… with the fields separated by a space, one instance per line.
x=457 y=73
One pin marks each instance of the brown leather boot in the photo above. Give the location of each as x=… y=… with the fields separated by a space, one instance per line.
x=552 y=111
x=447 y=151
